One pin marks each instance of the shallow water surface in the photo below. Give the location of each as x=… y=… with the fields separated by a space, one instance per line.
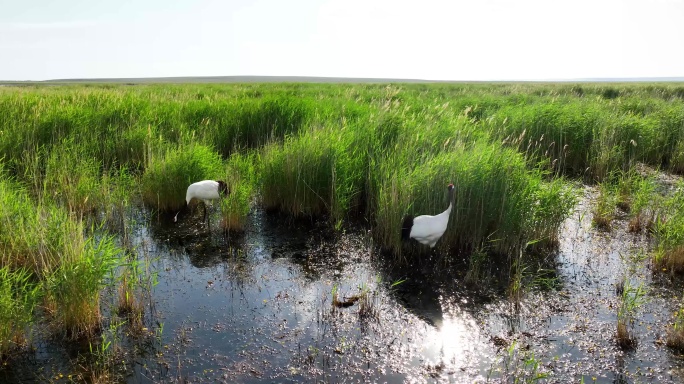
x=259 y=308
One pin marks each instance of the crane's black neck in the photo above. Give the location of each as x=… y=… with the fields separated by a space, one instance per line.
x=223 y=189
x=406 y=227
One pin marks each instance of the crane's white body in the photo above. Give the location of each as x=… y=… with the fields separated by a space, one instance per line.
x=428 y=229
x=205 y=190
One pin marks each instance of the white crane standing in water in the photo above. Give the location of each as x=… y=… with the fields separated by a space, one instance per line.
x=205 y=190
x=427 y=229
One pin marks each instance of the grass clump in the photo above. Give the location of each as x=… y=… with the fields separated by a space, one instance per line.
x=316 y=173
x=18 y=297
x=35 y=236
x=556 y=134
x=499 y=204
x=50 y=245
x=641 y=203
x=623 y=141
x=168 y=174
x=136 y=279
x=73 y=294
x=73 y=178
x=120 y=190
x=675 y=333
x=630 y=193
x=669 y=232
x=248 y=122
x=603 y=212
x=631 y=299
x=242 y=178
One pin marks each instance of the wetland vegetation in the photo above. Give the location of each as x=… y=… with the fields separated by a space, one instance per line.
x=564 y=193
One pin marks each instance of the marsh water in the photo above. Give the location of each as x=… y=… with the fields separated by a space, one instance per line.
x=259 y=308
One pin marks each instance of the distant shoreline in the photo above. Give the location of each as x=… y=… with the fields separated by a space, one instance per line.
x=313 y=79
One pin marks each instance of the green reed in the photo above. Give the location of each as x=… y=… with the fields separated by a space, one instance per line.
x=73 y=289
x=242 y=177
x=18 y=298
x=170 y=171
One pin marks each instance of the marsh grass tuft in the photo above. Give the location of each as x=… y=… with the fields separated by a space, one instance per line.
x=626 y=339
x=72 y=177
x=38 y=237
x=603 y=212
x=476 y=276
x=675 y=333
x=18 y=297
x=313 y=174
x=169 y=173
x=131 y=292
x=368 y=302
x=668 y=229
x=499 y=203
x=242 y=176
x=631 y=299
x=73 y=289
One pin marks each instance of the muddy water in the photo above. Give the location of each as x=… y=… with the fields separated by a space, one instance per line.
x=258 y=308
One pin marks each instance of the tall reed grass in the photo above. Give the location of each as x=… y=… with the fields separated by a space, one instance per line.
x=499 y=204
x=669 y=232
x=335 y=150
x=313 y=174
x=242 y=177
x=78 y=159
x=35 y=236
x=169 y=173
x=18 y=298
x=73 y=289
x=51 y=246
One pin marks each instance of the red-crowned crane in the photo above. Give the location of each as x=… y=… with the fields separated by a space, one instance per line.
x=205 y=190
x=427 y=229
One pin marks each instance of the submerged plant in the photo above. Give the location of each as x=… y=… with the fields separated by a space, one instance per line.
x=518 y=366
x=134 y=286
x=475 y=275
x=368 y=302
x=120 y=191
x=645 y=201
x=105 y=355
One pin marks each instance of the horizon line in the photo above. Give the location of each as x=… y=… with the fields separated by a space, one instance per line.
x=334 y=79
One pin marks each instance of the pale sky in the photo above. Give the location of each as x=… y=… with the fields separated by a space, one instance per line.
x=420 y=39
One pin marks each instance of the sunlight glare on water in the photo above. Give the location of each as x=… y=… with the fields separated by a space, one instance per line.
x=455 y=340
